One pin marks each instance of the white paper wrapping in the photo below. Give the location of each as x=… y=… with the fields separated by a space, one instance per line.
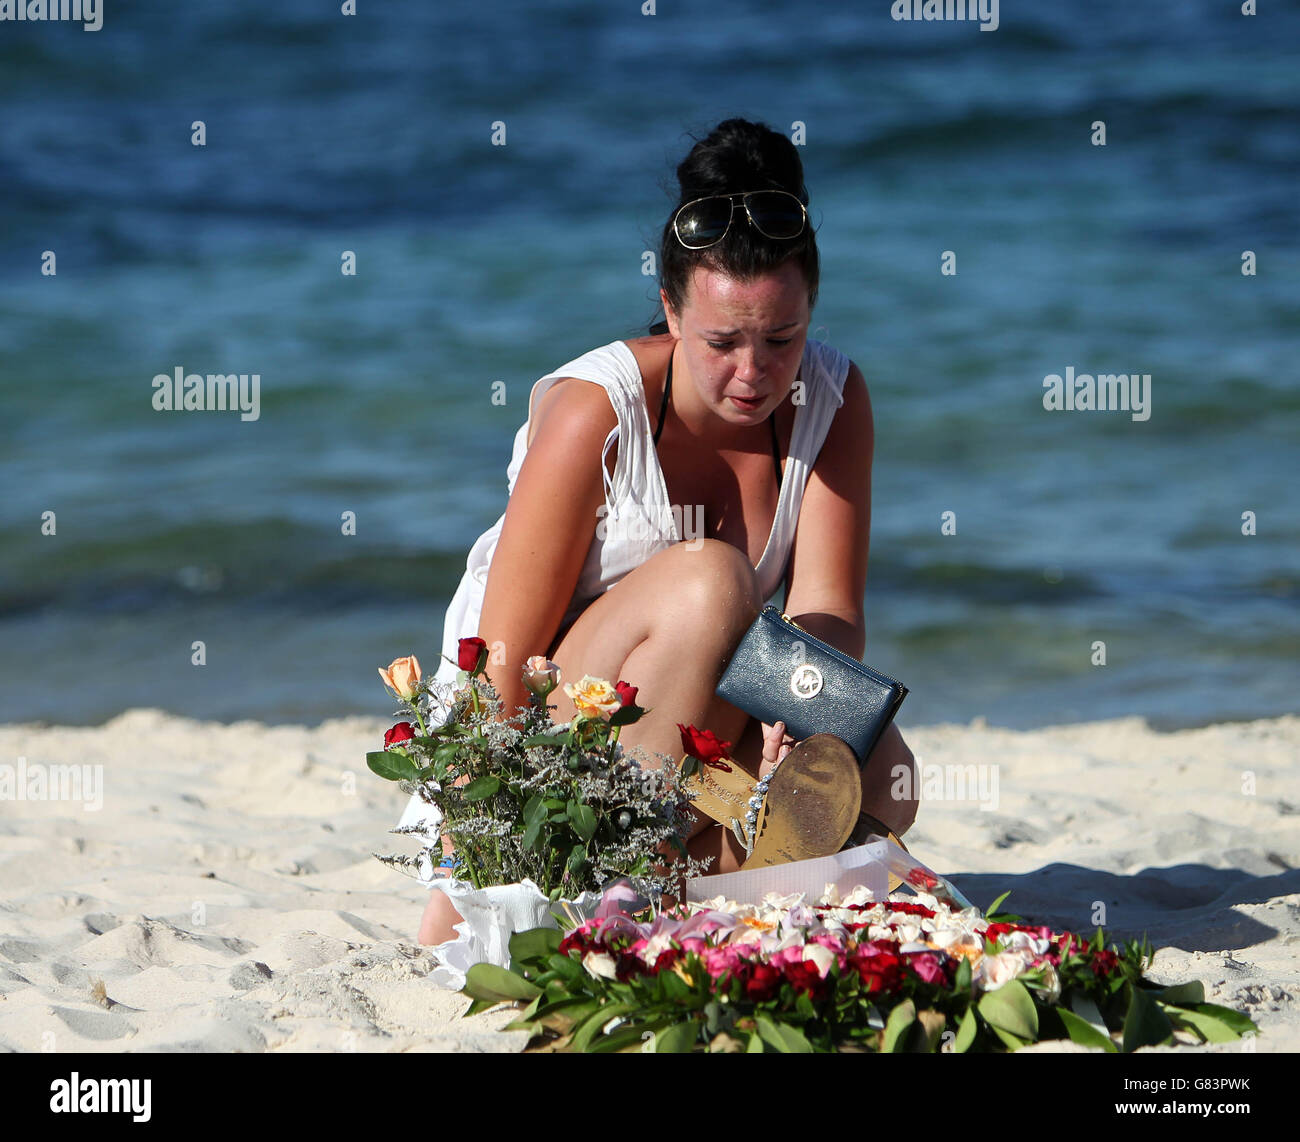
x=491 y=916
x=863 y=865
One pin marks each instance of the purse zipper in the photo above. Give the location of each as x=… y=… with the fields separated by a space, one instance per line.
x=833 y=650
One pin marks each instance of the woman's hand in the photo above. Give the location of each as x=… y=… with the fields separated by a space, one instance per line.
x=776 y=744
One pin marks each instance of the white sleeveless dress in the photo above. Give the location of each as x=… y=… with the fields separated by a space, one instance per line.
x=638 y=520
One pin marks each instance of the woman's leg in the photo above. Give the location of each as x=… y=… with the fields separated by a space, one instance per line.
x=668 y=627
x=880 y=776
x=436 y=926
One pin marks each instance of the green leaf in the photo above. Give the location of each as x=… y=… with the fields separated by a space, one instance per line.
x=534 y=944
x=577 y=862
x=487 y=981
x=678 y=1039
x=1183 y=994
x=626 y=715
x=566 y=967
x=546 y=739
x=900 y=1019
x=1235 y=1020
x=966 y=1032
x=755 y=1046
x=1011 y=1009
x=626 y=1038
x=992 y=909
x=392 y=766
x=1084 y=1007
x=563 y=1015
x=447 y=753
x=961 y=981
x=673 y=986
x=590 y=1027
x=583 y=818
x=786 y=1039
x=1145 y=1025
x=1013 y=1042
x=481 y=788
x=533 y=833
x=1083 y=1032
x=534 y=811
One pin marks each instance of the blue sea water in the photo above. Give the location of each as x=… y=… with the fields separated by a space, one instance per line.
x=481 y=263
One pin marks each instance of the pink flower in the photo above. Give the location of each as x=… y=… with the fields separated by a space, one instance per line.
x=720 y=961
x=927 y=966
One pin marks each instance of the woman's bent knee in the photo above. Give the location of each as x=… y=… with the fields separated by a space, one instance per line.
x=713 y=578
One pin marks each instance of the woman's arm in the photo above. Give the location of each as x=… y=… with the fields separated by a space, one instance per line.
x=549 y=524
x=828 y=559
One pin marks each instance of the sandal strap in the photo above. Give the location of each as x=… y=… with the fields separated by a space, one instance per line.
x=722 y=794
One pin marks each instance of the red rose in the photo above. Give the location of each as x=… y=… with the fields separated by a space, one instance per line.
x=664 y=961
x=764 y=981
x=994 y=931
x=402 y=732
x=908 y=908
x=804 y=976
x=878 y=970
x=704 y=746
x=626 y=693
x=470 y=649
x=1104 y=962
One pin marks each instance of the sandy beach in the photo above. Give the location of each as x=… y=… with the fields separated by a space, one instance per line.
x=224 y=896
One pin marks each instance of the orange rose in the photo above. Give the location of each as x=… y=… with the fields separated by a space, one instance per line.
x=402 y=676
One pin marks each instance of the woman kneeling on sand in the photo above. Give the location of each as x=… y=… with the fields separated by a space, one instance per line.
x=762 y=435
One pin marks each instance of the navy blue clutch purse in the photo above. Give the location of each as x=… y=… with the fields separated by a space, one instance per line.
x=781 y=673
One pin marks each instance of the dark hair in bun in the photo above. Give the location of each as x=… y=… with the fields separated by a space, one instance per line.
x=738 y=155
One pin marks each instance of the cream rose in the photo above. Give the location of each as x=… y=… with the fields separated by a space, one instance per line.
x=402 y=676
x=594 y=697
x=999 y=969
x=541 y=675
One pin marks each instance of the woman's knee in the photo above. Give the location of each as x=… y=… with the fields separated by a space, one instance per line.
x=711 y=579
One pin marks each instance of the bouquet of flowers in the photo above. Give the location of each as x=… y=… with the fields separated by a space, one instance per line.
x=562 y=807
x=851 y=974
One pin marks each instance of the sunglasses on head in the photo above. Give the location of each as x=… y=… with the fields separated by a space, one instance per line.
x=704 y=222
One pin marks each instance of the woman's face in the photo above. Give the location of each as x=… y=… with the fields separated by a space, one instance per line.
x=742 y=339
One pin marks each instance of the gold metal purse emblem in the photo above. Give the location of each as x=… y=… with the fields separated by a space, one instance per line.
x=806 y=681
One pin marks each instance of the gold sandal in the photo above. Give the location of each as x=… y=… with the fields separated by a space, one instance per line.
x=804 y=808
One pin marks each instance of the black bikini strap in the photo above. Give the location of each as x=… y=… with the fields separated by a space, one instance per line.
x=663 y=405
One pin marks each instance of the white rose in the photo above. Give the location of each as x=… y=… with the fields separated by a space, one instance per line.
x=999 y=969
x=820 y=957
x=600 y=964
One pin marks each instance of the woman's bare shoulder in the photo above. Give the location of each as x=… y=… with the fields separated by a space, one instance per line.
x=576 y=401
x=583 y=408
